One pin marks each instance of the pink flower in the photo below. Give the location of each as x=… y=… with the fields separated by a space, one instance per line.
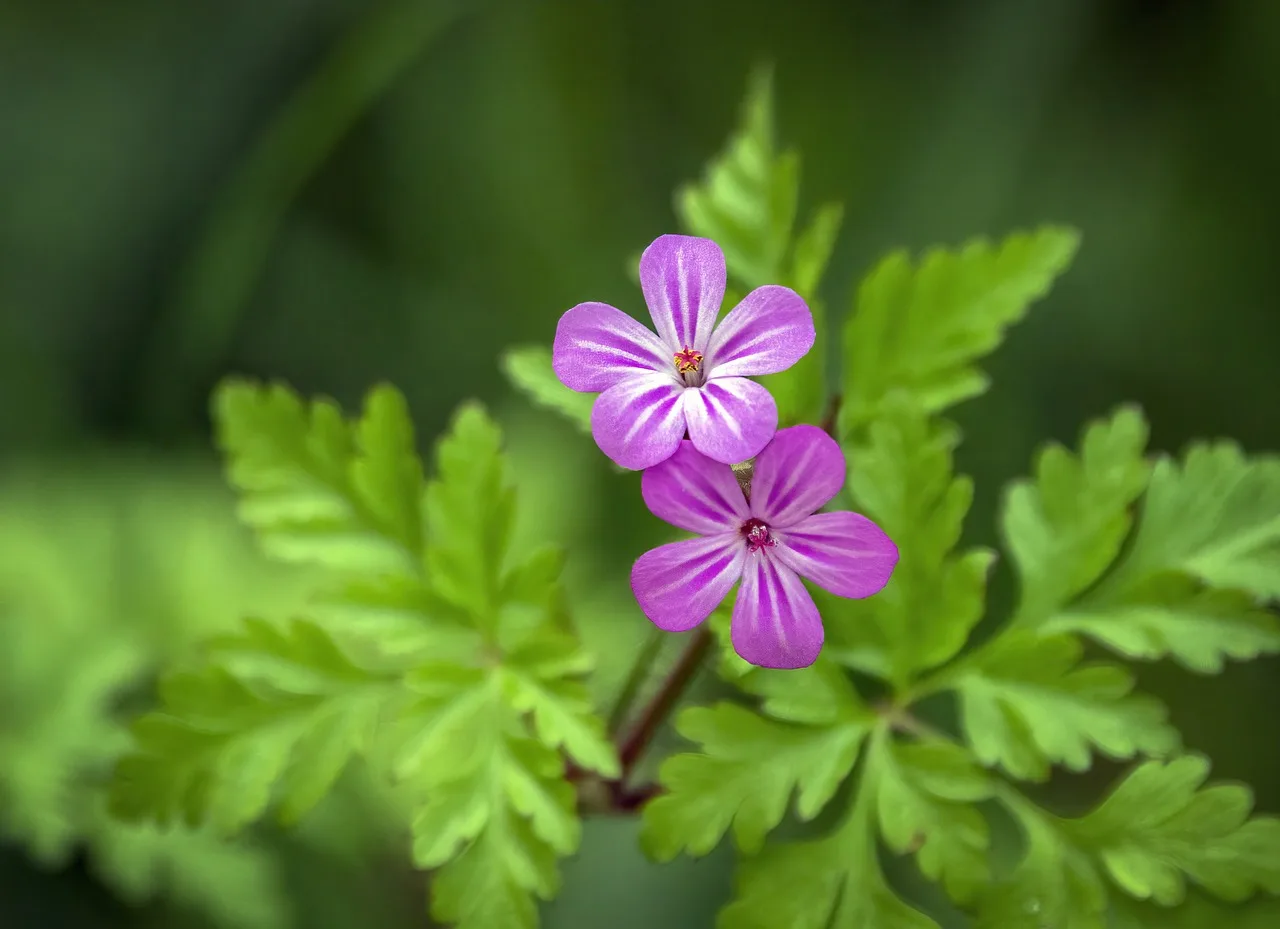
x=692 y=376
x=769 y=542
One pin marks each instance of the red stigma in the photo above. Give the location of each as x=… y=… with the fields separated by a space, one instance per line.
x=757 y=535
x=687 y=360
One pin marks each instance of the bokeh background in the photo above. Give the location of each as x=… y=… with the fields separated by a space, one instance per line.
x=337 y=192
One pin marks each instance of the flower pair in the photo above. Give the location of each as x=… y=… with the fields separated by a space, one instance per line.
x=678 y=405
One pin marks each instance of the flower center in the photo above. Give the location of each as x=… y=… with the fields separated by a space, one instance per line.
x=687 y=360
x=757 y=534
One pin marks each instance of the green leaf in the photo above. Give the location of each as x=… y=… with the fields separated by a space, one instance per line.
x=805 y=741
x=1054 y=884
x=237 y=884
x=1215 y=516
x=1161 y=826
x=496 y=810
x=319 y=489
x=1199 y=911
x=1065 y=528
x=470 y=508
x=529 y=369
x=921 y=327
x=813 y=251
x=536 y=681
x=1173 y=616
x=1027 y=702
x=831 y=883
x=901 y=476
x=801 y=391
x=225 y=746
x=746 y=201
x=925 y=805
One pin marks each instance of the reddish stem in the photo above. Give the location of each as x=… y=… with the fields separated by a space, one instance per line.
x=659 y=708
x=829 y=420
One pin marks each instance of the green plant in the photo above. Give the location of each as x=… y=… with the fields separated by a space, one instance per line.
x=446 y=657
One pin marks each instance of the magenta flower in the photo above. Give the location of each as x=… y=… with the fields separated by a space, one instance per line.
x=769 y=542
x=692 y=375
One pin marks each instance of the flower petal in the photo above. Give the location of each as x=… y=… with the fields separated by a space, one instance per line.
x=775 y=622
x=845 y=553
x=798 y=472
x=679 y=584
x=693 y=492
x=640 y=421
x=730 y=419
x=683 y=279
x=769 y=331
x=598 y=345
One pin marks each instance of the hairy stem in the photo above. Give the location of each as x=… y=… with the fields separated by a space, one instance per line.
x=659 y=708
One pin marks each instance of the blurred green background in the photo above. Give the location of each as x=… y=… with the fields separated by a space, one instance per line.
x=336 y=192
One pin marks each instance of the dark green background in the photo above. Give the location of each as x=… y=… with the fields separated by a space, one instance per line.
x=525 y=151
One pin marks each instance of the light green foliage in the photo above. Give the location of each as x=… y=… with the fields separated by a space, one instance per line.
x=748 y=198
x=442 y=653
x=105 y=574
x=473 y=717
x=805 y=741
x=226 y=745
x=901 y=476
x=1215 y=516
x=835 y=881
x=747 y=203
x=1175 y=617
x=925 y=802
x=919 y=327
x=1064 y=528
x=238 y=884
x=1190 y=585
x=1159 y=829
x=529 y=369
x=319 y=490
x=1027 y=701
x=1204 y=558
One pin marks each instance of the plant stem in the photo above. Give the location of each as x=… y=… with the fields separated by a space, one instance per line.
x=635 y=680
x=659 y=708
x=829 y=419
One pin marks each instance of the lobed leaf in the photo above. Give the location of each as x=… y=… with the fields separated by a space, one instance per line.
x=470 y=507
x=747 y=203
x=238 y=884
x=1065 y=528
x=482 y=743
x=747 y=199
x=318 y=489
x=1162 y=826
x=1202 y=562
x=224 y=746
x=805 y=741
x=495 y=811
x=1159 y=828
x=920 y=327
x=1027 y=702
x=1173 y=616
x=901 y=476
x=1214 y=516
x=831 y=883
x=925 y=804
